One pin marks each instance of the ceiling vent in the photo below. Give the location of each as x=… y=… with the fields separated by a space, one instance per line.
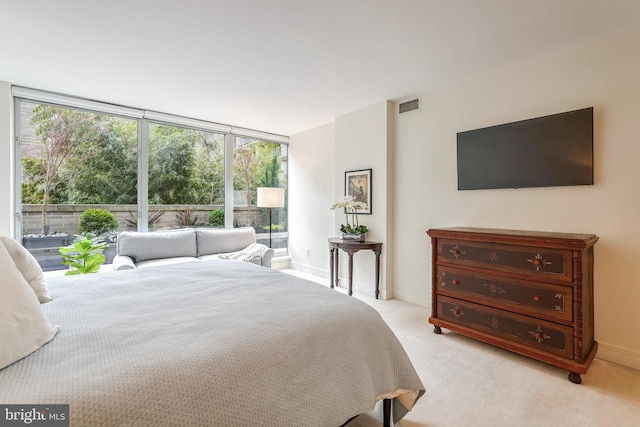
x=411 y=105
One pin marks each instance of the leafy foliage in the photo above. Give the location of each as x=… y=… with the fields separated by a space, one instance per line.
x=64 y=135
x=216 y=218
x=256 y=164
x=81 y=157
x=274 y=227
x=152 y=219
x=358 y=229
x=84 y=255
x=108 y=172
x=187 y=218
x=171 y=161
x=97 y=221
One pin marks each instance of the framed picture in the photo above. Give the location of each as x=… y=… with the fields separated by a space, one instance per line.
x=358 y=184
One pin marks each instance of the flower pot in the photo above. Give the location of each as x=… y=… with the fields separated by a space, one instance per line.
x=352 y=236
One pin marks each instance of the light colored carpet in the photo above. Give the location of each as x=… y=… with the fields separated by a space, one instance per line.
x=474 y=384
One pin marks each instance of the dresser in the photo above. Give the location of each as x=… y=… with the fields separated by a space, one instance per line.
x=524 y=291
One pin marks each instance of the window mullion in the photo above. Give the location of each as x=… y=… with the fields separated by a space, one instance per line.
x=229 y=144
x=143 y=174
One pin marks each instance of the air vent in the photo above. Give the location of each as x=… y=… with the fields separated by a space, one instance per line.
x=412 y=105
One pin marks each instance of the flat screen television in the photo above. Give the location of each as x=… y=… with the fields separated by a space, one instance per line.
x=555 y=150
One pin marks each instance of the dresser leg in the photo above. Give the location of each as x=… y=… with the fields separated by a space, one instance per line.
x=437 y=330
x=574 y=377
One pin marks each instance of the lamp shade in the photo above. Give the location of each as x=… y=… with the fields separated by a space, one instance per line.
x=270 y=197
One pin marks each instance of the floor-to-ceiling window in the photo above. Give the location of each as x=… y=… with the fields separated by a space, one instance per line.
x=260 y=163
x=78 y=176
x=186 y=177
x=115 y=168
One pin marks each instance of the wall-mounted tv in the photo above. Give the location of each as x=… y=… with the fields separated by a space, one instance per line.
x=555 y=150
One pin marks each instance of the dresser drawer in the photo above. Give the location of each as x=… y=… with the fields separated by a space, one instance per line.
x=524 y=296
x=530 y=261
x=535 y=333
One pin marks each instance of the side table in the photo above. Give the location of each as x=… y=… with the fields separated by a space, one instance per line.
x=351 y=247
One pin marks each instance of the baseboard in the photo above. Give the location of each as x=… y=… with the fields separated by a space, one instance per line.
x=359 y=287
x=411 y=298
x=305 y=268
x=619 y=355
x=280 y=263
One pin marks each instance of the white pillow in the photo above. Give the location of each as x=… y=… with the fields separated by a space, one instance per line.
x=28 y=266
x=23 y=325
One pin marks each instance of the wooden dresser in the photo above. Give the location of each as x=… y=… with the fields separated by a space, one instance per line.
x=524 y=291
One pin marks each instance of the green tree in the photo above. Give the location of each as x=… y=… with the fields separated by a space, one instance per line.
x=171 y=164
x=208 y=176
x=64 y=135
x=108 y=174
x=245 y=167
x=271 y=175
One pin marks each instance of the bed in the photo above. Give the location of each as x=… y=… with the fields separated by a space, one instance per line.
x=224 y=343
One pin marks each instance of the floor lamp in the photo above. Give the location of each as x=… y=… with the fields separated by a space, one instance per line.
x=270 y=197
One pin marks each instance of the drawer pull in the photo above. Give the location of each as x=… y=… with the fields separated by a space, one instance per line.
x=455 y=281
x=538 y=261
x=457 y=312
x=539 y=335
x=456 y=251
x=537 y=298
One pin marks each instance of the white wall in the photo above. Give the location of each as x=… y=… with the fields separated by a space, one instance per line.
x=6 y=159
x=311 y=193
x=421 y=186
x=364 y=140
x=603 y=75
x=318 y=159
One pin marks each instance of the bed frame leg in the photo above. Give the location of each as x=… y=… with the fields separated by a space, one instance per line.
x=386 y=413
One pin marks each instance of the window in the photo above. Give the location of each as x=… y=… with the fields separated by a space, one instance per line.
x=75 y=165
x=259 y=163
x=186 y=177
x=77 y=155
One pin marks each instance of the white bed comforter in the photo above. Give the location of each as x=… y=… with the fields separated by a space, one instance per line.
x=215 y=343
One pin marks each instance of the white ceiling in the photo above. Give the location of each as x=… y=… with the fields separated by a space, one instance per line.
x=281 y=66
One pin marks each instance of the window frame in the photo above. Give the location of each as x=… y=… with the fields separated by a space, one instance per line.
x=143 y=118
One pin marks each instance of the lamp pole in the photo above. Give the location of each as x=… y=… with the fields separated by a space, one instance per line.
x=270 y=226
x=270 y=197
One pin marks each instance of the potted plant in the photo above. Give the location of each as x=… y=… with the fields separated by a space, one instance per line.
x=102 y=224
x=353 y=230
x=84 y=255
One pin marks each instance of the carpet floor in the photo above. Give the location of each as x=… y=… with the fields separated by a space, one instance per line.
x=469 y=383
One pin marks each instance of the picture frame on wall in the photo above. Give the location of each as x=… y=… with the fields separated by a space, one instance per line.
x=357 y=184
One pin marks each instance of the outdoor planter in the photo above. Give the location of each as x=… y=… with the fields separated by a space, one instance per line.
x=48 y=241
x=110 y=252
